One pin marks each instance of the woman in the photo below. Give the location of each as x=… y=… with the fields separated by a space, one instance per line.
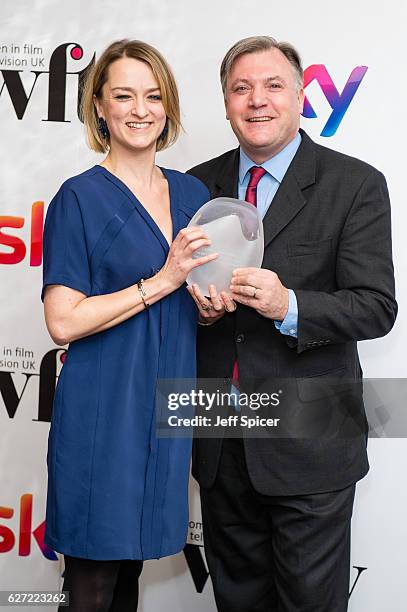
x=116 y=493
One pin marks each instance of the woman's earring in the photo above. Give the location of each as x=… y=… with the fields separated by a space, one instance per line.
x=103 y=129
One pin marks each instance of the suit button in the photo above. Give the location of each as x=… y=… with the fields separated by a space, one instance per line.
x=240 y=338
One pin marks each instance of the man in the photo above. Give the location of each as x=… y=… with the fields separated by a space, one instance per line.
x=277 y=511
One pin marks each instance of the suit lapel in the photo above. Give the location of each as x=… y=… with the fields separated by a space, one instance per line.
x=226 y=182
x=290 y=198
x=286 y=204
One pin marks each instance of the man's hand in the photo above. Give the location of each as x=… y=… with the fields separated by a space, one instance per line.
x=262 y=290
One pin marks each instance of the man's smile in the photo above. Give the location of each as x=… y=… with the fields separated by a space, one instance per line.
x=260 y=119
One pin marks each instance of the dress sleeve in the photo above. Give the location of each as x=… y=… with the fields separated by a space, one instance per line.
x=66 y=260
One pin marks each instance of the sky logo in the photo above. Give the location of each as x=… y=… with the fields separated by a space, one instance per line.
x=17 y=247
x=339 y=102
x=25 y=531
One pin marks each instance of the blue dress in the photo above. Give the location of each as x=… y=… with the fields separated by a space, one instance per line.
x=116 y=491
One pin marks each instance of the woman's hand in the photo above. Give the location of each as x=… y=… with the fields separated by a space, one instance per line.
x=180 y=261
x=213 y=308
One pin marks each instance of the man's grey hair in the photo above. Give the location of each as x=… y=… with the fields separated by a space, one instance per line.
x=257 y=44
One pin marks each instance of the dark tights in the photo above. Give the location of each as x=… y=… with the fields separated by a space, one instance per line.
x=101 y=586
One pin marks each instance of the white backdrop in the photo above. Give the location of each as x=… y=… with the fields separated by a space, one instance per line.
x=42 y=143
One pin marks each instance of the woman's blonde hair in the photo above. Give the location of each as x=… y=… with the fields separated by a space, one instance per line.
x=97 y=77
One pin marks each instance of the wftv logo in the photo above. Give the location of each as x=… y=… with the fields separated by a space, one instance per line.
x=46 y=378
x=58 y=71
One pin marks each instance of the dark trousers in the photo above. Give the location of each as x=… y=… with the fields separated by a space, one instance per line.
x=101 y=586
x=275 y=553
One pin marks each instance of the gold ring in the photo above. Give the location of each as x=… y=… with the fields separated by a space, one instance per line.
x=255 y=291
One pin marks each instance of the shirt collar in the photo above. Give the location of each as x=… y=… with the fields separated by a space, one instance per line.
x=277 y=166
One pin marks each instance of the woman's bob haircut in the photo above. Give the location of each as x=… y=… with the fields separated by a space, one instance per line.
x=98 y=75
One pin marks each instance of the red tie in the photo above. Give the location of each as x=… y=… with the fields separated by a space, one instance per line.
x=251 y=196
x=251 y=192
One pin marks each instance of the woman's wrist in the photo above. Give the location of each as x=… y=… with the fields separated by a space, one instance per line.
x=155 y=288
x=165 y=281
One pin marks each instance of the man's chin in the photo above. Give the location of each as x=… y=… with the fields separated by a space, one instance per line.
x=260 y=147
x=261 y=141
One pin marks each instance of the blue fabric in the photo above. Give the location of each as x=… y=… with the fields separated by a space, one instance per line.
x=276 y=168
x=115 y=491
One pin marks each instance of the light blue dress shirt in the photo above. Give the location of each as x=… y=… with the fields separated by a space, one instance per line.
x=276 y=167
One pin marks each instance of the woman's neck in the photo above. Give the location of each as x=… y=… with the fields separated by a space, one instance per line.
x=132 y=167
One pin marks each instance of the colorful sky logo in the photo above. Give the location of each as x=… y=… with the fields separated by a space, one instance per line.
x=339 y=102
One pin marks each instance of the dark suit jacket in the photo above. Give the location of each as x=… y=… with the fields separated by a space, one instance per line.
x=328 y=237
